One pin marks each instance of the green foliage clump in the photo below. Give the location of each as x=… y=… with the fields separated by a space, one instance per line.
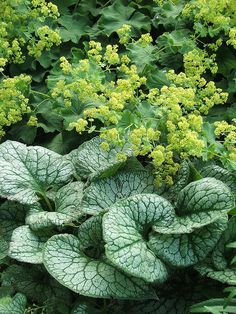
x=117 y=156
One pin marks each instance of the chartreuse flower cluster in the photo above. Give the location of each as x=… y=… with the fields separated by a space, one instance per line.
x=228 y=132
x=13 y=100
x=213 y=17
x=23 y=23
x=107 y=87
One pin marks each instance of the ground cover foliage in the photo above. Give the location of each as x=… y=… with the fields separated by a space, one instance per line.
x=117 y=156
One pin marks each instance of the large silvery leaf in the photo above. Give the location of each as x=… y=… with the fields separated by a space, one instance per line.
x=90 y=160
x=180 y=182
x=26 y=246
x=220 y=174
x=182 y=250
x=126 y=228
x=200 y=203
x=103 y=193
x=16 y=304
x=90 y=236
x=67 y=208
x=68 y=264
x=219 y=266
x=28 y=171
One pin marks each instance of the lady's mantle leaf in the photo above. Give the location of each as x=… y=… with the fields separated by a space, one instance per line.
x=126 y=228
x=117 y=14
x=90 y=160
x=26 y=246
x=26 y=171
x=66 y=262
x=67 y=208
x=103 y=193
x=16 y=305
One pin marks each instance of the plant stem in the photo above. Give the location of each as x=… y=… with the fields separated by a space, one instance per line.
x=47 y=201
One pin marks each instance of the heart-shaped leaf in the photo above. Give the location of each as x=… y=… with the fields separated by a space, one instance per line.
x=26 y=246
x=90 y=160
x=126 y=241
x=67 y=208
x=28 y=171
x=103 y=193
x=68 y=264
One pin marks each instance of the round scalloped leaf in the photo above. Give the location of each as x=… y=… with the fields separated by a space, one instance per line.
x=28 y=171
x=67 y=208
x=182 y=250
x=126 y=227
x=103 y=193
x=116 y=15
x=221 y=174
x=16 y=304
x=67 y=263
x=26 y=246
x=90 y=160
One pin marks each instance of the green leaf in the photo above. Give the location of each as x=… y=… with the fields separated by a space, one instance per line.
x=14 y=305
x=89 y=160
x=3 y=249
x=67 y=209
x=187 y=249
x=214 y=306
x=226 y=61
x=26 y=246
x=103 y=193
x=74 y=26
x=28 y=171
x=12 y=215
x=177 y=41
x=35 y=283
x=68 y=264
x=142 y=55
x=126 y=241
x=118 y=14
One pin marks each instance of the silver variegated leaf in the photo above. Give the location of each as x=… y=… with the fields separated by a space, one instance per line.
x=103 y=193
x=90 y=160
x=126 y=227
x=29 y=171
